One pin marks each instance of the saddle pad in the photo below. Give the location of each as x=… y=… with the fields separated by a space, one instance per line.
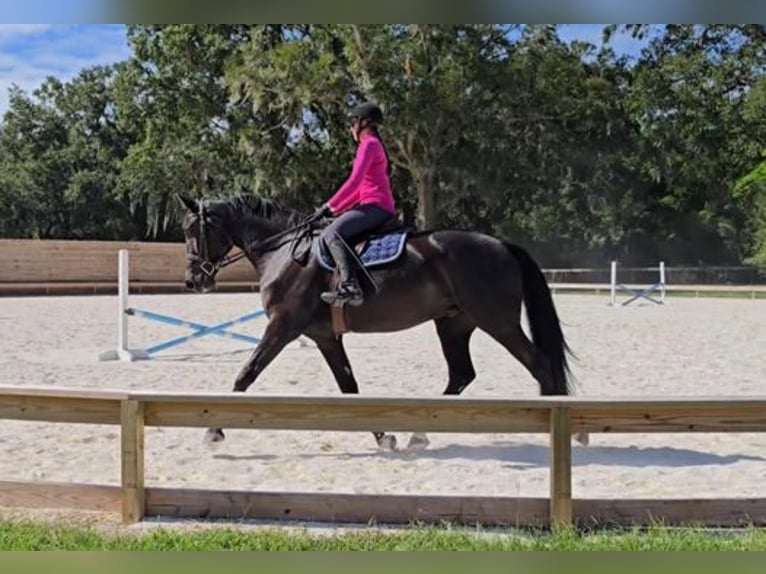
x=378 y=250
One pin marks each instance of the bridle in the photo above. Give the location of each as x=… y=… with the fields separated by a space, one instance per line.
x=210 y=268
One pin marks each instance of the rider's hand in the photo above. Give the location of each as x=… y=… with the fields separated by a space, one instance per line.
x=322 y=211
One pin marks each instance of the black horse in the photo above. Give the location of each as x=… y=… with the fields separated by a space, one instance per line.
x=461 y=280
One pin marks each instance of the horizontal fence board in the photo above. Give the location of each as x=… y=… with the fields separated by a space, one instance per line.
x=63 y=392
x=608 y=404
x=600 y=404
x=355 y=413
x=252 y=398
x=26 y=289
x=347 y=417
x=35 y=262
x=23 y=494
x=388 y=508
x=710 y=512
x=488 y=511
x=670 y=419
x=354 y=508
x=670 y=288
x=60 y=406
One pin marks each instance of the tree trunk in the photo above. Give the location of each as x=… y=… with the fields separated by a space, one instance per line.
x=140 y=216
x=426 y=188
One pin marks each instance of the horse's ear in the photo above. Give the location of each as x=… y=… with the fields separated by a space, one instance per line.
x=190 y=204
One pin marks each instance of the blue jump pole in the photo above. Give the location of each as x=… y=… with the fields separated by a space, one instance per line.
x=201 y=330
x=638 y=292
x=124 y=353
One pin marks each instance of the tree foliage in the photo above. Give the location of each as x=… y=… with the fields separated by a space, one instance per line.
x=567 y=148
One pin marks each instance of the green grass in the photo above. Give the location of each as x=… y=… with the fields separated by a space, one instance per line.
x=27 y=535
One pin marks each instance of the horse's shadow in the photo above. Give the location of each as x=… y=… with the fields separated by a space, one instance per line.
x=524 y=456
x=530 y=456
x=234 y=356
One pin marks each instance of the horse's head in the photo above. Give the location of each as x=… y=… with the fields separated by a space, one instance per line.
x=207 y=242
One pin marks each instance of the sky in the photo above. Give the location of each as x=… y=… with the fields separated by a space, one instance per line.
x=31 y=52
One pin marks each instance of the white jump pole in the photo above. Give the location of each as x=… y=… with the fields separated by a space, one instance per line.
x=122 y=352
x=662 y=281
x=613 y=283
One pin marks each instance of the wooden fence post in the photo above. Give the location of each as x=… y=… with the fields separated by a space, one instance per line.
x=133 y=501
x=561 y=468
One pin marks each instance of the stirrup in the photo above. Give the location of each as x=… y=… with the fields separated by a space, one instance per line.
x=329 y=297
x=349 y=293
x=353 y=293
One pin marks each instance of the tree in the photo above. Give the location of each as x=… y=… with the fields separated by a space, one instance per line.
x=688 y=96
x=564 y=147
x=60 y=154
x=172 y=98
x=431 y=82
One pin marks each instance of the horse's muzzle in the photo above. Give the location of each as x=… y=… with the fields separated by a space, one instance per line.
x=200 y=283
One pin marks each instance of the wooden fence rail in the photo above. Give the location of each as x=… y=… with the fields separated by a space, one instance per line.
x=560 y=417
x=68 y=267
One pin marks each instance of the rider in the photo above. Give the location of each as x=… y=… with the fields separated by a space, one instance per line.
x=363 y=202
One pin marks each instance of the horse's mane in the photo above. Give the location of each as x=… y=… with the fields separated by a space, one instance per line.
x=265 y=208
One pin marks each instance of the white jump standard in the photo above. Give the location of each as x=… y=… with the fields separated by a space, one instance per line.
x=124 y=353
x=638 y=292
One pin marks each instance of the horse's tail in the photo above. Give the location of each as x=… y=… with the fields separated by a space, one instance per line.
x=543 y=320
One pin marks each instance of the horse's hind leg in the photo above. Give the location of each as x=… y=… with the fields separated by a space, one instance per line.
x=335 y=355
x=513 y=338
x=455 y=336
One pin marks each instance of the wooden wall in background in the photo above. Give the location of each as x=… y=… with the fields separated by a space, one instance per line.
x=33 y=267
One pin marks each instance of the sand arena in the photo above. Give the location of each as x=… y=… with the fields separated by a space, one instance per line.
x=705 y=347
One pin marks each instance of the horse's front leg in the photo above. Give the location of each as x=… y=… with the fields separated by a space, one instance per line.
x=280 y=331
x=335 y=355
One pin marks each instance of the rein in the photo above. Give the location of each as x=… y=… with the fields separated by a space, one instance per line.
x=210 y=269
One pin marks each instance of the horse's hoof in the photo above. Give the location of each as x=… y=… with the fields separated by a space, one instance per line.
x=214 y=436
x=583 y=438
x=418 y=441
x=387 y=442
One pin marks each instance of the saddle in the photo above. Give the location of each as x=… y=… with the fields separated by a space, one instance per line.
x=379 y=246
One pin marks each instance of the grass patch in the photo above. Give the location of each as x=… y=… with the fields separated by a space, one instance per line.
x=30 y=535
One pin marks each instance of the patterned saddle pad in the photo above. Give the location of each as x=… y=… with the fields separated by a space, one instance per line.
x=377 y=250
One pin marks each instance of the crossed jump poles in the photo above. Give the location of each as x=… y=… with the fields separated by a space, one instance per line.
x=638 y=292
x=124 y=353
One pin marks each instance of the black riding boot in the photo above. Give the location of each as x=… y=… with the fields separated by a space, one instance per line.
x=349 y=290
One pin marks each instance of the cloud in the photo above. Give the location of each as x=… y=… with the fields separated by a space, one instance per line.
x=15 y=30
x=29 y=53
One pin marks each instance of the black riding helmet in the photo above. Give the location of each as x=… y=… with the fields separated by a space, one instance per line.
x=367 y=112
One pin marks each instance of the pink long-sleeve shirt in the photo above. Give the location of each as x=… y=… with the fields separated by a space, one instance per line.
x=368 y=182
